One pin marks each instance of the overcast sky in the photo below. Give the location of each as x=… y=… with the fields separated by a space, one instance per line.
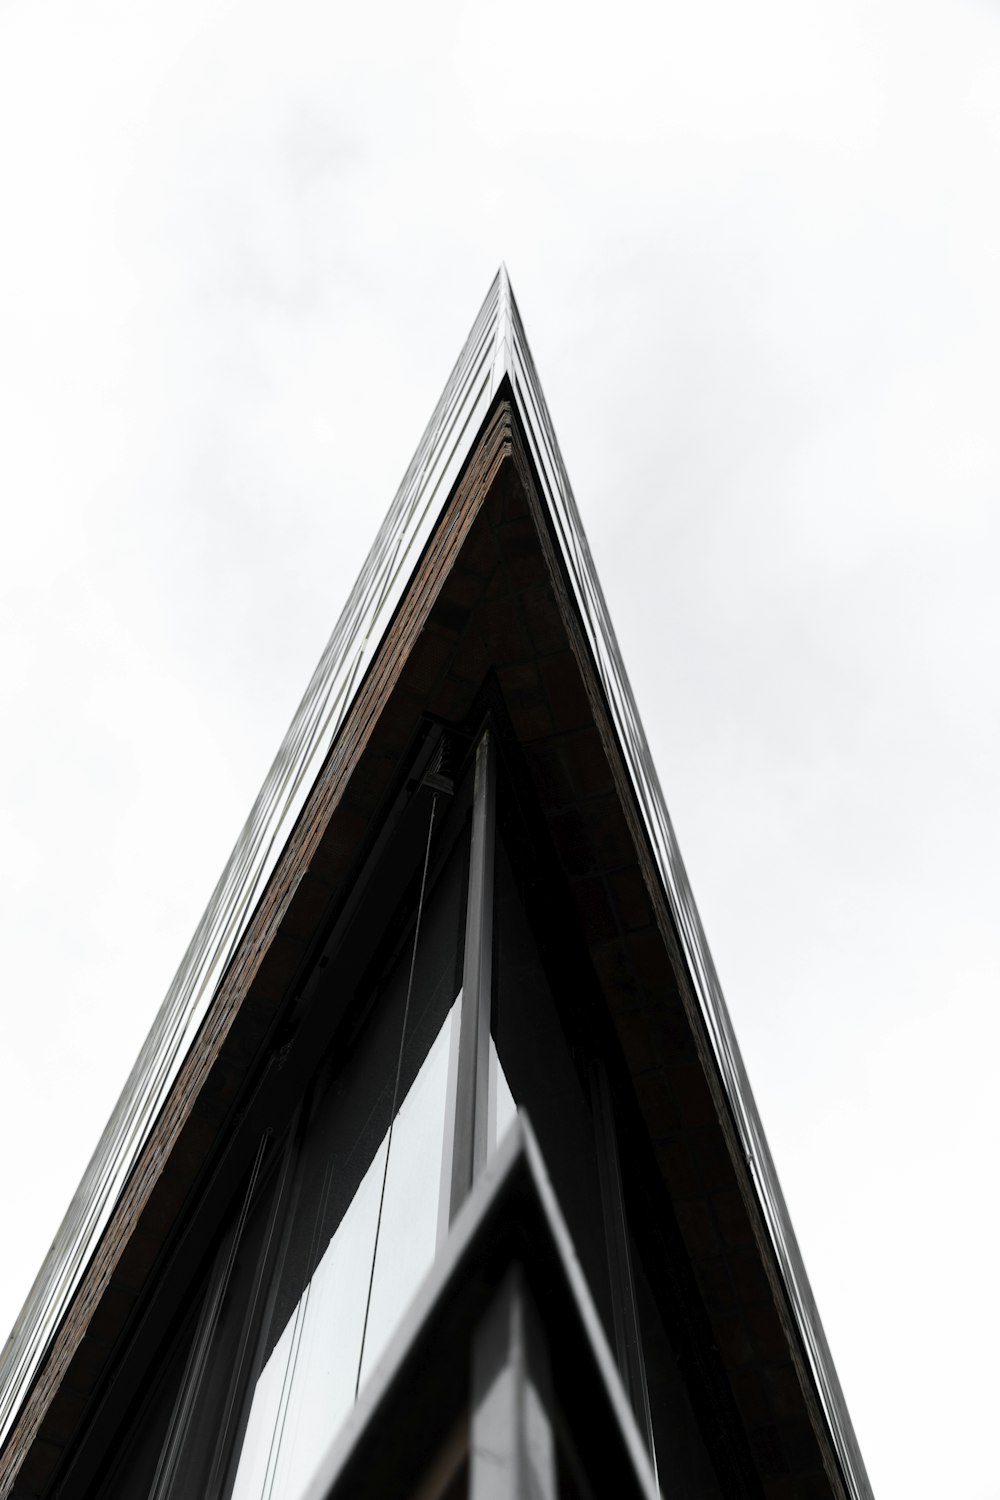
x=757 y=253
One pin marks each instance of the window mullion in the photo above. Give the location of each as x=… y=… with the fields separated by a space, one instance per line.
x=472 y=1083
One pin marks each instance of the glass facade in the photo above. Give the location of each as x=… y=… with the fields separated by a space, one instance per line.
x=364 y=1211
x=382 y=1241
x=346 y=1211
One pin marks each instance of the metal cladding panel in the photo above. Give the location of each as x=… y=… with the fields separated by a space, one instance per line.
x=495 y=349
x=446 y=443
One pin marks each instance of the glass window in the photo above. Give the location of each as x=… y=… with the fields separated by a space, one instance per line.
x=410 y=1225
x=503 y=1109
x=191 y=1453
x=135 y=1462
x=365 y=1223
x=681 y=1455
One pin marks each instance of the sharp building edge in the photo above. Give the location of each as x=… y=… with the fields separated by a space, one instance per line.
x=495 y=355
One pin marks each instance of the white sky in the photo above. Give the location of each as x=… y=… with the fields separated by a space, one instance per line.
x=756 y=249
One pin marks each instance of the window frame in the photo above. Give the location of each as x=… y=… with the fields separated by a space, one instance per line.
x=271 y=1127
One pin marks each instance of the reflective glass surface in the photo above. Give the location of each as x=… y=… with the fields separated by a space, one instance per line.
x=682 y=1456
x=192 y=1451
x=134 y=1464
x=366 y=1216
x=503 y=1109
x=414 y=1183
x=307 y=1385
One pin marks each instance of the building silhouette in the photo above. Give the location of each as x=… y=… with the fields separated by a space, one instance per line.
x=439 y=1173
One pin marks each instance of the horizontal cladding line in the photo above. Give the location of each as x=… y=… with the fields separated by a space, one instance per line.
x=325 y=703
x=295 y=855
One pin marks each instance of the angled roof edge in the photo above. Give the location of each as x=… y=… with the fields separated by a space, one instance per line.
x=495 y=350
x=558 y=495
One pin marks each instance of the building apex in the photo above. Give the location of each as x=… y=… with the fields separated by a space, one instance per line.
x=494 y=366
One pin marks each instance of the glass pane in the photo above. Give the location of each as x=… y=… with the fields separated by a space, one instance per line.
x=311 y=1349
x=307 y=1385
x=410 y=1215
x=503 y=1110
x=138 y=1448
x=682 y=1457
x=206 y=1406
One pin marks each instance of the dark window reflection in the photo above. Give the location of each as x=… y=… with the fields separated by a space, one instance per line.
x=191 y=1454
x=312 y=1344
x=134 y=1466
x=681 y=1455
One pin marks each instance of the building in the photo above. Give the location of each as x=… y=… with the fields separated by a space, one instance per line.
x=439 y=1173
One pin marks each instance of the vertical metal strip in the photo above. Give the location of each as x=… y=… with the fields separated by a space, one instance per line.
x=472 y=1085
x=197 y=1363
x=512 y=1451
x=450 y=1117
x=628 y=1338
